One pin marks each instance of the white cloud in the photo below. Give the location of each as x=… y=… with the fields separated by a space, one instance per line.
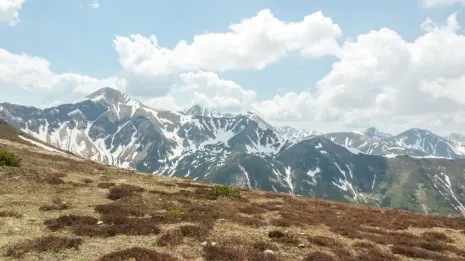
x=9 y=11
x=206 y=89
x=34 y=74
x=439 y=3
x=385 y=81
x=163 y=103
x=95 y=4
x=252 y=43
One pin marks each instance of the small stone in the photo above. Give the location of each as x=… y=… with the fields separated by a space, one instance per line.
x=16 y=229
x=268 y=252
x=301 y=233
x=204 y=243
x=213 y=243
x=301 y=245
x=100 y=222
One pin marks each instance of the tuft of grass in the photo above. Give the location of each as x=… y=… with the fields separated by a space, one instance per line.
x=170 y=238
x=10 y=214
x=194 y=231
x=224 y=252
x=137 y=253
x=57 y=204
x=43 y=244
x=416 y=252
x=226 y=191
x=176 y=212
x=282 y=237
x=262 y=246
x=436 y=236
x=54 y=180
x=87 y=180
x=9 y=159
x=276 y=234
x=324 y=241
x=318 y=256
x=105 y=185
x=120 y=208
x=69 y=221
x=124 y=190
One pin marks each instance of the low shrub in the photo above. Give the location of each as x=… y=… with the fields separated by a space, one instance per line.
x=436 y=236
x=324 y=241
x=170 y=238
x=137 y=253
x=124 y=190
x=176 y=212
x=43 y=244
x=224 y=252
x=415 y=252
x=262 y=246
x=87 y=180
x=120 y=209
x=194 y=231
x=53 y=180
x=9 y=159
x=226 y=191
x=69 y=221
x=276 y=234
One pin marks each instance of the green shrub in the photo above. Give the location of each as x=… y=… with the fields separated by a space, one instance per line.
x=226 y=191
x=176 y=212
x=9 y=159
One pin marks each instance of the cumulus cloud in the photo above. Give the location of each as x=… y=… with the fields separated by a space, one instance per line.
x=439 y=3
x=9 y=11
x=34 y=74
x=253 y=43
x=205 y=89
x=94 y=4
x=381 y=77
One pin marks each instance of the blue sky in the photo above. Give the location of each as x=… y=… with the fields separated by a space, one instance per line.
x=78 y=39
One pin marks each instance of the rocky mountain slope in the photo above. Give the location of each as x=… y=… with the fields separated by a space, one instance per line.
x=242 y=149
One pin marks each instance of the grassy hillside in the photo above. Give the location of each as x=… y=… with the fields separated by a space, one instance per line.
x=61 y=207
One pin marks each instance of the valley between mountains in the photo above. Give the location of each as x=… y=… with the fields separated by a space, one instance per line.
x=415 y=170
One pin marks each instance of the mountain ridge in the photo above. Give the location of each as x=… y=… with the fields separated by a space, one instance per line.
x=244 y=150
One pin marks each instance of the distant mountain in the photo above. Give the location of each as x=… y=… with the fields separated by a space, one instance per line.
x=455 y=137
x=414 y=142
x=198 y=110
x=376 y=134
x=243 y=149
x=287 y=131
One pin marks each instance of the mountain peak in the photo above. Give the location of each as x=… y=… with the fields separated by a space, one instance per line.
x=374 y=133
x=106 y=93
x=198 y=110
x=455 y=137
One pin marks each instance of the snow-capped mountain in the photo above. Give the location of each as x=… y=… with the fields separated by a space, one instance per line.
x=376 y=134
x=198 y=110
x=414 y=142
x=245 y=150
x=455 y=137
x=287 y=131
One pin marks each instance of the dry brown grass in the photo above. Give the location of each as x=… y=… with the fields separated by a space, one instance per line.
x=138 y=254
x=122 y=215
x=43 y=244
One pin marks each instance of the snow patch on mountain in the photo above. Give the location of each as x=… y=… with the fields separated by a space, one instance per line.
x=41 y=145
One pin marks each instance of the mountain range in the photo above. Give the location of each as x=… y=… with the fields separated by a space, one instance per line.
x=415 y=170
